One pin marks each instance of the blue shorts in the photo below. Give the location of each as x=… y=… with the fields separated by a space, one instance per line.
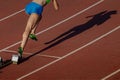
x=33 y=7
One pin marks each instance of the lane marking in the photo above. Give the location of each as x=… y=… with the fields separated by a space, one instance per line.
x=10 y=46
x=25 y=53
x=43 y=55
x=2 y=19
x=80 y=12
x=76 y=50
x=10 y=51
x=110 y=75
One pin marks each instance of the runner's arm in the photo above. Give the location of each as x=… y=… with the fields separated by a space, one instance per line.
x=55 y=4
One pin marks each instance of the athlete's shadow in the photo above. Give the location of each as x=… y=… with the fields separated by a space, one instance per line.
x=97 y=19
x=5 y=63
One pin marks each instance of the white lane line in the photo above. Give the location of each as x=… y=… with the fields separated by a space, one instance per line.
x=110 y=75
x=10 y=51
x=10 y=46
x=78 y=49
x=80 y=12
x=2 y=19
x=42 y=55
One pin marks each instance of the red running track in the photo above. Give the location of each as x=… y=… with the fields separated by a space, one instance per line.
x=84 y=43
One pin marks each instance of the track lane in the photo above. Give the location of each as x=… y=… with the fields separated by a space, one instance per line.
x=56 y=47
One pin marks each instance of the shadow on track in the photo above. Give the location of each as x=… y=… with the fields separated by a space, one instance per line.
x=5 y=63
x=96 y=19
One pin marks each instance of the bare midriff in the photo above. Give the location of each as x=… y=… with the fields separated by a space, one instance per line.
x=41 y=2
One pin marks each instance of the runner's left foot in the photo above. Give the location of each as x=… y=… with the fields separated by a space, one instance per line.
x=33 y=37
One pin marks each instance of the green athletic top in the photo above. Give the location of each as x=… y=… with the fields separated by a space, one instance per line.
x=47 y=1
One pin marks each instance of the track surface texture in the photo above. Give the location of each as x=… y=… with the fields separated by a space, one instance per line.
x=80 y=41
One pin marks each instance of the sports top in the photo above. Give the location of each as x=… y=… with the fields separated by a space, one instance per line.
x=47 y=1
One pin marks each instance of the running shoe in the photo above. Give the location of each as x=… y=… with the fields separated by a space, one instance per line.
x=33 y=37
x=20 y=51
